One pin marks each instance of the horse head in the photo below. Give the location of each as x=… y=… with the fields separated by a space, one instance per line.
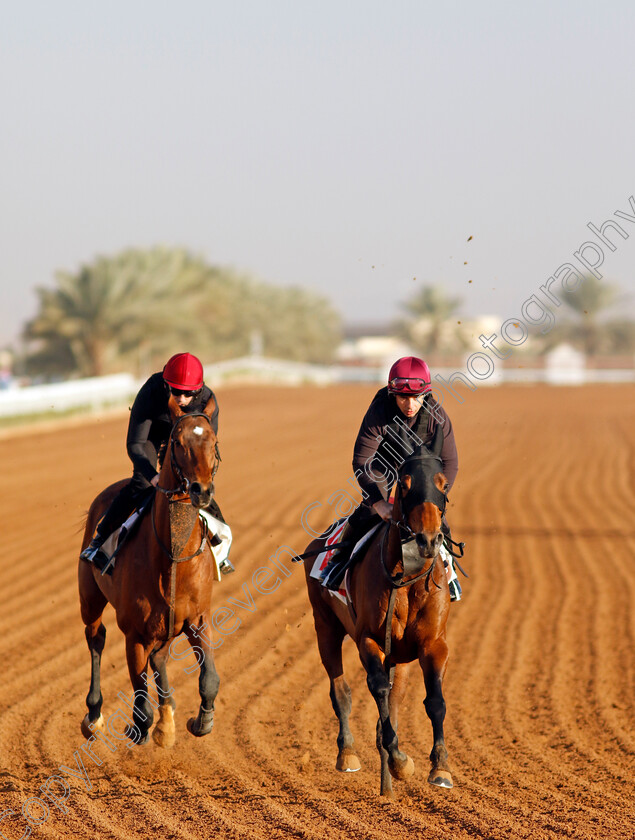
x=421 y=496
x=194 y=455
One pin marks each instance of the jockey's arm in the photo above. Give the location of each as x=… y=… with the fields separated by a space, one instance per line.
x=449 y=455
x=364 y=451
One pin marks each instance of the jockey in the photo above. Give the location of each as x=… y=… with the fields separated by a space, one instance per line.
x=148 y=433
x=398 y=412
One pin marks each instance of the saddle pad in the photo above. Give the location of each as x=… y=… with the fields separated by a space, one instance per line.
x=118 y=536
x=322 y=559
x=222 y=530
x=319 y=564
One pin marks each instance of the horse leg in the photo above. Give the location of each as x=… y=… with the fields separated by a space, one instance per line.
x=92 y=603
x=399 y=764
x=163 y=733
x=433 y=663
x=208 y=679
x=396 y=695
x=142 y=714
x=330 y=635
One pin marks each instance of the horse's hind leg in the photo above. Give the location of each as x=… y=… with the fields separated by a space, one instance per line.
x=163 y=733
x=330 y=635
x=433 y=665
x=92 y=603
x=208 y=679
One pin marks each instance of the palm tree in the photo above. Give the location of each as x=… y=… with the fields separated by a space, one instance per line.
x=95 y=320
x=135 y=309
x=588 y=301
x=428 y=326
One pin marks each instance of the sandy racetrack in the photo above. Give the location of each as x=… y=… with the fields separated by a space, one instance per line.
x=540 y=683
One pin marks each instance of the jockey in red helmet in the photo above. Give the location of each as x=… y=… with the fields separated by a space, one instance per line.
x=148 y=433
x=183 y=372
x=405 y=403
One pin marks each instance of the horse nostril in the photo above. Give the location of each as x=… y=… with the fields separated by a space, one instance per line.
x=195 y=488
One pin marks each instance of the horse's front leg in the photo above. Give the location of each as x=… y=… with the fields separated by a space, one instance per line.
x=393 y=761
x=433 y=663
x=163 y=734
x=208 y=679
x=142 y=715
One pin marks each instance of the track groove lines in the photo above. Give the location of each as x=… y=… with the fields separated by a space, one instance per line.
x=539 y=688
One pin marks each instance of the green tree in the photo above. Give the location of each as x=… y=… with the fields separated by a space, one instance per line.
x=588 y=331
x=94 y=321
x=131 y=311
x=428 y=324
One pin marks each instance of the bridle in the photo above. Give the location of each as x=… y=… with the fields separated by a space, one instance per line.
x=181 y=490
x=184 y=482
x=399 y=581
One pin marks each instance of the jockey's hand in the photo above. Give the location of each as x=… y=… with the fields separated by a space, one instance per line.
x=155 y=480
x=384 y=509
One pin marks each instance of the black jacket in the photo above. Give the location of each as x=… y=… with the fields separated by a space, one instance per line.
x=373 y=433
x=150 y=422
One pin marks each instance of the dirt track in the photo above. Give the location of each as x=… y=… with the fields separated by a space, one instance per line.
x=539 y=689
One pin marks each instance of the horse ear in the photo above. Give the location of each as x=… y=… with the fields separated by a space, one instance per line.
x=405 y=483
x=174 y=408
x=210 y=407
x=441 y=482
x=437 y=441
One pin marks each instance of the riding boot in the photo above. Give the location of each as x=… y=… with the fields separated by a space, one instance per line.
x=333 y=572
x=115 y=515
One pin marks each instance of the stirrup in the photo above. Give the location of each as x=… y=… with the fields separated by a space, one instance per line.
x=94 y=555
x=226 y=566
x=91 y=550
x=455 y=590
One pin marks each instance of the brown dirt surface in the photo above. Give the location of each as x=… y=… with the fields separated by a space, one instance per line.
x=539 y=688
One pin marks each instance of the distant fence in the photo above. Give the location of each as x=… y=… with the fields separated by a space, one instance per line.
x=99 y=392
x=94 y=393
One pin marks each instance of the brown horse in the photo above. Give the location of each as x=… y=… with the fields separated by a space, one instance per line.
x=161 y=585
x=399 y=609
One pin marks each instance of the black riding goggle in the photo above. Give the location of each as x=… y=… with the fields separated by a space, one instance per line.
x=177 y=392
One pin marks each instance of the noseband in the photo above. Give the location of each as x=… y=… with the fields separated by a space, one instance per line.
x=184 y=482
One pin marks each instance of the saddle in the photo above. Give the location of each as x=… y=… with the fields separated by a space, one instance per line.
x=217 y=532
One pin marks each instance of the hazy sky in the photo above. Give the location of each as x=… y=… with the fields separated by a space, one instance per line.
x=347 y=147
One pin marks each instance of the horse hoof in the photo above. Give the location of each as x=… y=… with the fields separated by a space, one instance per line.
x=348 y=762
x=440 y=778
x=138 y=738
x=163 y=738
x=401 y=770
x=192 y=728
x=163 y=733
x=90 y=727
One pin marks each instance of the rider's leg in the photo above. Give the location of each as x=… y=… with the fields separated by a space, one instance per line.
x=358 y=523
x=128 y=498
x=226 y=566
x=448 y=560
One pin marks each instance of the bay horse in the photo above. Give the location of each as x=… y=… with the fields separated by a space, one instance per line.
x=161 y=585
x=398 y=612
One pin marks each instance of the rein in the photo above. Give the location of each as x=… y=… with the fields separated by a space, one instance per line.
x=181 y=490
x=397 y=581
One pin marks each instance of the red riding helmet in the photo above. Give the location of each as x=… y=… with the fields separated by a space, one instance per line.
x=184 y=371
x=409 y=377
